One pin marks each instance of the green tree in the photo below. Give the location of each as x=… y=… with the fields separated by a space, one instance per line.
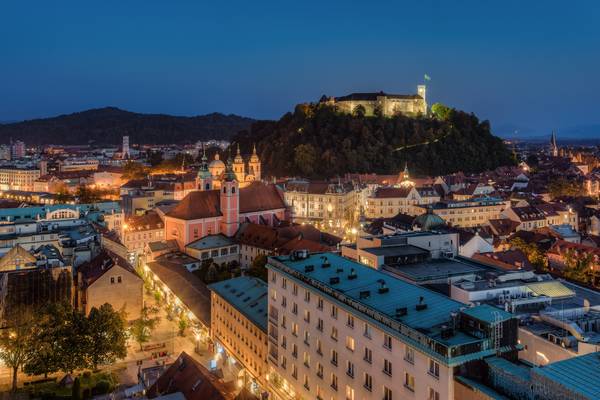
x=108 y=336
x=44 y=344
x=74 y=340
x=578 y=267
x=134 y=170
x=141 y=329
x=182 y=324
x=155 y=158
x=305 y=157
x=562 y=187
x=441 y=112
x=15 y=341
x=536 y=257
x=258 y=268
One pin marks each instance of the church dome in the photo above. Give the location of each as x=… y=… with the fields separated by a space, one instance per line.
x=428 y=221
x=216 y=166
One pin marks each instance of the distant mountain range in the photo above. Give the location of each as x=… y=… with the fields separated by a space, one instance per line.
x=106 y=126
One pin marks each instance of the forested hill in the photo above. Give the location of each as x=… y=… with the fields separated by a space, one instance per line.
x=317 y=141
x=108 y=125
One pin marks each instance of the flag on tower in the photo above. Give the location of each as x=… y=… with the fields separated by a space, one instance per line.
x=427 y=77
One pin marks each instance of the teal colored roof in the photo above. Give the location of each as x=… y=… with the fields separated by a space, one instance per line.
x=246 y=294
x=519 y=370
x=578 y=374
x=480 y=387
x=93 y=210
x=487 y=313
x=211 y=242
x=400 y=294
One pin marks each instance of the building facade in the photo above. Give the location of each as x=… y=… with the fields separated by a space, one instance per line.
x=383 y=103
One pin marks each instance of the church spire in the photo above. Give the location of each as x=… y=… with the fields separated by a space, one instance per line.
x=553 y=145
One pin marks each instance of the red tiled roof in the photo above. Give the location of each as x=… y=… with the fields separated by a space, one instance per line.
x=503 y=226
x=206 y=204
x=509 y=259
x=392 y=192
x=192 y=379
x=150 y=220
x=92 y=270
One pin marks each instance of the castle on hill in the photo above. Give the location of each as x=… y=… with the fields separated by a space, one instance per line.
x=385 y=103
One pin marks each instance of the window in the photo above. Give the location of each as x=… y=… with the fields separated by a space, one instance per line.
x=307 y=315
x=294 y=371
x=283 y=362
x=368 y=382
x=119 y=279
x=283 y=301
x=334 y=357
x=112 y=280
x=434 y=368
x=295 y=350
x=284 y=283
x=320 y=324
x=350 y=321
x=349 y=393
x=319 y=349
x=367 y=331
x=295 y=309
x=350 y=343
x=295 y=290
x=320 y=370
x=409 y=354
x=387 y=393
x=368 y=355
x=350 y=369
x=334 y=312
x=295 y=329
x=307 y=296
x=334 y=333
x=409 y=381
x=306 y=337
x=306 y=358
x=387 y=341
x=334 y=382
x=320 y=304
x=433 y=395
x=387 y=367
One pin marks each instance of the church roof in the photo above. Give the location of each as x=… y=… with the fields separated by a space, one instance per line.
x=255 y=197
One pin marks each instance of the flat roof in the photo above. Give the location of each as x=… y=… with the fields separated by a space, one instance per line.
x=400 y=294
x=434 y=269
x=578 y=374
x=246 y=294
x=487 y=313
x=396 y=250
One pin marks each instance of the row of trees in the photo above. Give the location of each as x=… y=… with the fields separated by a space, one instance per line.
x=58 y=337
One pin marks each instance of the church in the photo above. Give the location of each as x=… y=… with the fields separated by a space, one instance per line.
x=244 y=174
x=220 y=203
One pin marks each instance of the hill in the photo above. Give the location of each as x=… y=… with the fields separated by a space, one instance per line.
x=317 y=141
x=108 y=125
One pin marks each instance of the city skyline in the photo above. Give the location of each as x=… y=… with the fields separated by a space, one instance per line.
x=526 y=69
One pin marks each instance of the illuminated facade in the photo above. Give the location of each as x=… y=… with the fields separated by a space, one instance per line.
x=384 y=103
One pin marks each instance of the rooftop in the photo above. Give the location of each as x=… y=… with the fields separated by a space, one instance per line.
x=248 y=295
x=211 y=242
x=435 y=269
x=578 y=374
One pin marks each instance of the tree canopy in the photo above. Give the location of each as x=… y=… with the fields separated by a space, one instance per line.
x=316 y=141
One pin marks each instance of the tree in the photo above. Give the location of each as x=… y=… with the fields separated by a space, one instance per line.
x=155 y=158
x=108 y=336
x=182 y=324
x=141 y=329
x=441 y=112
x=44 y=344
x=562 y=187
x=86 y=195
x=134 y=170
x=258 y=268
x=305 y=157
x=578 y=266
x=15 y=341
x=73 y=341
x=536 y=257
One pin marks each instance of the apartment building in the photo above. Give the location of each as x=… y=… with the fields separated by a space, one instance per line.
x=18 y=178
x=239 y=322
x=333 y=203
x=468 y=213
x=386 y=202
x=342 y=330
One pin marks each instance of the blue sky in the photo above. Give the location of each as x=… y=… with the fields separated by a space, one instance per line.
x=526 y=65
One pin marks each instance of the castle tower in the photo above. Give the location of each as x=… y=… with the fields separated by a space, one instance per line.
x=204 y=179
x=239 y=168
x=422 y=91
x=229 y=200
x=254 y=164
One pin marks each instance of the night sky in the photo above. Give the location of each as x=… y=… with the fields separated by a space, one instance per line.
x=525 y=65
